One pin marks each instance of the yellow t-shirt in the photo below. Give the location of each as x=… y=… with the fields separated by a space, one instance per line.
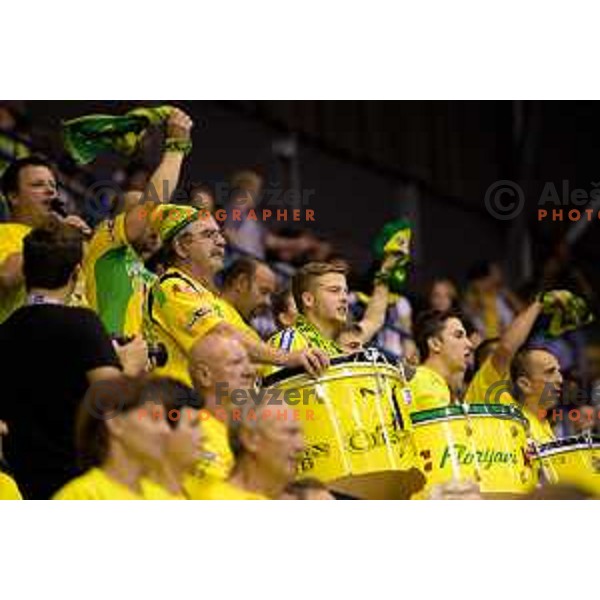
x=95 y=484
x=181 y=311
x=8 y=488
x=488 y=385
x=116 y=279
x=11 y=242
x=215 y=441
x=217 y=489
x=152 y=490
x=539 y=431
x=428 y=390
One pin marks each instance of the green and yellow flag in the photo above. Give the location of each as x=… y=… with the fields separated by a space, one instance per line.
x=88 y=136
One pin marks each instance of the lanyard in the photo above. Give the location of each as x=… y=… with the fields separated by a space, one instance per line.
x=37 y=299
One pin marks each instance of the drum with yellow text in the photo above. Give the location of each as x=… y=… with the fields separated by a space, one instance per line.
x=357 y=426
x=482 y=443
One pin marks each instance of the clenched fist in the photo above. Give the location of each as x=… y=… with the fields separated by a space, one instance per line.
x=179 y=125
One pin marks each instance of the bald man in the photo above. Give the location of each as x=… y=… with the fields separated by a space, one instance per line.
x=219 y=365
x=267 y=443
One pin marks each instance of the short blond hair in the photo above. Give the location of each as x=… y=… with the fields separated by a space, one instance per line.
x=306 y=275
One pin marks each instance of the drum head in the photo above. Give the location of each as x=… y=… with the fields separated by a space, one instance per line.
x=381 y=485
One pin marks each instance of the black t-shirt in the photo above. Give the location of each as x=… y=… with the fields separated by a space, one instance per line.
x=45 y=352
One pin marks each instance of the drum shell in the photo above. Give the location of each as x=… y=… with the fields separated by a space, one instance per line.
x=357 y=429
x=571 y=461
x=488 y=449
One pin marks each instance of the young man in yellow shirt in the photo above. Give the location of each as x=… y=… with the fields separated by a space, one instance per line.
x=436 y=386
x=320 y=292
x=444 y=348
x=185 y=304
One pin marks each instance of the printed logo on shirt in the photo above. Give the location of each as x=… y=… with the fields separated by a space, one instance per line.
x=198 y=314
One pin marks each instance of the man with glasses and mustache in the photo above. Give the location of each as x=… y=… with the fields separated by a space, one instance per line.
x=185 y=303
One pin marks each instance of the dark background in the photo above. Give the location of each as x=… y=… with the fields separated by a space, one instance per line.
x=369 y=162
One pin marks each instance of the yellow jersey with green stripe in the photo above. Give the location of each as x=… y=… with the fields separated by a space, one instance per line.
x=116 y=280
x=181 y=311
x=11 y=242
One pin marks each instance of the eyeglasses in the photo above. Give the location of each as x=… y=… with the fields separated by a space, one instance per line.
x=208 y=234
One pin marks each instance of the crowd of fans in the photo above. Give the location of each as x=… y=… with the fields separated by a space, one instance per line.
x=135 y=308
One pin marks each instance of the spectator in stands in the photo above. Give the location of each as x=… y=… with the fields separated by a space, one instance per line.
x=384 y=319
x=307 y=489
x=49 y=354
x=202 y=197
x=486 y=301
x=267 y=445
x=247 y=235
x=444 y=349
x=442 y=295
x=321 y=295
x=350 y=338
x=121 y=434
x=251 y=236
x=184 y=304
x=29 y=185
x=183 y=446
x=219 y=366
x=248 y=285
x=284 y=308
x=116 y=279
x=537 y=381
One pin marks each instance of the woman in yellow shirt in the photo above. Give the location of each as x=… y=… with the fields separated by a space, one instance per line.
x=120 y=436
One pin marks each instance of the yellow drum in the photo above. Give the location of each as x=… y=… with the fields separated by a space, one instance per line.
x=484 y=443
x=357 y=427
x=573 y=460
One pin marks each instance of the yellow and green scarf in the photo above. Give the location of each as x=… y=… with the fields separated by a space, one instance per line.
x=315 y=337
x=88 y=136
